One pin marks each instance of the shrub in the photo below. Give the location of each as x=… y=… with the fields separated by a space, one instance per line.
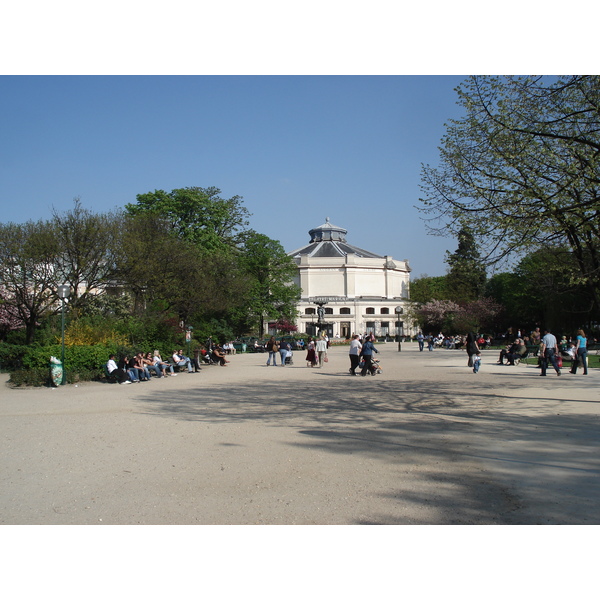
x=11 y=356
x=33 y=377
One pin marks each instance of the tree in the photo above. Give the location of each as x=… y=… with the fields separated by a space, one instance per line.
x=522 y=168
x=466 y=275
x=28 y=259
x=196 y=214
x=270 y=292
x=86 y=259
x=425 y=288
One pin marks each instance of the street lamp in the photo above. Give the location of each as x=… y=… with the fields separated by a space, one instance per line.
x=399 y=310
x=63 y=293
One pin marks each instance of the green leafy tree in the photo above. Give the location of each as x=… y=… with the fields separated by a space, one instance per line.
x=522 y=168
x=270 y=292
x=196 y=214
x=425 y=288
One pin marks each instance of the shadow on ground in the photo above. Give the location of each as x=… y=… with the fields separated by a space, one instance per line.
x=471 y=459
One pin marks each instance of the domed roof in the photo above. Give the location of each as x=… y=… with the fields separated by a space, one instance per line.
x=329 y=241
x=327 y=232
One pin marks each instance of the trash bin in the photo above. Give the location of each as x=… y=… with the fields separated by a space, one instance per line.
x=56 y=371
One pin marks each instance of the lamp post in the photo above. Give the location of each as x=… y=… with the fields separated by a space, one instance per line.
x=63 y=293
x=399 y=310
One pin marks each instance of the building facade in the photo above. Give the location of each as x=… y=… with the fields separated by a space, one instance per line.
x=355 y=290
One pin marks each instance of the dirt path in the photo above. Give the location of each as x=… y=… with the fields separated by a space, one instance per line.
x=426 y=442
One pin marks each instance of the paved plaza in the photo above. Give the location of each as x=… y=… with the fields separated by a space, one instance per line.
x=426 y=442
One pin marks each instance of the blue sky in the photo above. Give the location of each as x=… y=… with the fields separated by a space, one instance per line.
x=298 y=149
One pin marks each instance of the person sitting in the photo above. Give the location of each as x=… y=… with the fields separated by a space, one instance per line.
x=132 y=372
x=114 y=372
x=148 y=362
x=510 y=349
x=180 y=360
x=518 y=354
x=219 y=356
x=137 y=362
x=162 y=365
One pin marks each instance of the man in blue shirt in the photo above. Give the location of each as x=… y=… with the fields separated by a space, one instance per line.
x=548 y=350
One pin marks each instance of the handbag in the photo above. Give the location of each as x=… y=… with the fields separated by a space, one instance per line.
x=559 y=361
x=325 y=359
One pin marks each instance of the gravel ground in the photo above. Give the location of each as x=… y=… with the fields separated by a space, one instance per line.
x=425 y=442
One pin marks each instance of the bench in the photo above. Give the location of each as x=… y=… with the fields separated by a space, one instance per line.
x=532 y=352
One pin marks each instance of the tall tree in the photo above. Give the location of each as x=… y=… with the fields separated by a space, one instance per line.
x=270 y=291
x=466 y=275
x=87 y=244
x=522 y=167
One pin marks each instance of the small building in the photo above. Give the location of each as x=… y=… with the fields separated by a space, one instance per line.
x=360 y=291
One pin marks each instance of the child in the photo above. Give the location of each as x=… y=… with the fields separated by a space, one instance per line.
x=476 y=361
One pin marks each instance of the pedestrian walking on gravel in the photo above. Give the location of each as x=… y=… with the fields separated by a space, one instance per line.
x=367 y=355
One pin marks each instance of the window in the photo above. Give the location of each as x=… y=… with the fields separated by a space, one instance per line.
x=309 y=311
x=370 y=311
x=344 y=311
x=329 y=311
x=385 y=311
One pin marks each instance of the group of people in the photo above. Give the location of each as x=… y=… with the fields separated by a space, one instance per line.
x=316 y=351
x=281 y=348
x=550 y=351
x=141 y=366
x=450 y=342
x=362 y=349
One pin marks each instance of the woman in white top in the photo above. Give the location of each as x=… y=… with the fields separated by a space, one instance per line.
x=355 y=348
x=321 y=350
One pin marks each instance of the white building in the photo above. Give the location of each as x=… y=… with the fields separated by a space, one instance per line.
x=360 y=291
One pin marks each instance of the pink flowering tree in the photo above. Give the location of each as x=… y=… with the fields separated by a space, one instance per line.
x=451 y=318
x=437 y=315
x=285 y=326
x=9 y=317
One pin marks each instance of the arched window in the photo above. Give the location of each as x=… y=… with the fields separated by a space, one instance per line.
x=329 y=311
x=370 y=311
x=344 y=311
x=309 y=311
x=385 y=311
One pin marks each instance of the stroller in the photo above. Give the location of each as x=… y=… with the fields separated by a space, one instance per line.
x=289 y=358
x=375 y=366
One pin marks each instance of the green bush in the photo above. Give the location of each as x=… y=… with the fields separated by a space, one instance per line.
x=11 y=356
x=33 y=377
x=77 y=358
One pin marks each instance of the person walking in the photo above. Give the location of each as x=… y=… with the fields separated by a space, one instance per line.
x=355 y=348
x=367 y=354
x=311 y=355
x=421 y=340
x=548 y=350
x=581 y=358
x=472 y=347
x=321 y=348
x=272 y=348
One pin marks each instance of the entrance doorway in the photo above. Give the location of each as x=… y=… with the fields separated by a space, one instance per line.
x=345 y=331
